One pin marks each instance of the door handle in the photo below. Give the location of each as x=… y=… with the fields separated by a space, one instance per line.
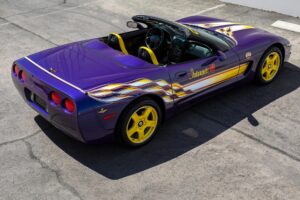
x=180 y=74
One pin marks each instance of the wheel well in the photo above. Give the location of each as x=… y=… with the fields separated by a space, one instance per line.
x=280 y=46
x=153 y=97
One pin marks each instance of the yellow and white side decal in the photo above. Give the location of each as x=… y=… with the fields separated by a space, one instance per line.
x=168 y=92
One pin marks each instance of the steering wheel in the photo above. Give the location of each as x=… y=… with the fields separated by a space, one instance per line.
x=154 y=38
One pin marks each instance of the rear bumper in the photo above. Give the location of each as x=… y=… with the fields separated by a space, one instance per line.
x=81 y=126
x=67 y=122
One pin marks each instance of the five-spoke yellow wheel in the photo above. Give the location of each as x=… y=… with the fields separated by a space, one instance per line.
x=139 y=122
x=142 y=124
x=271 y=66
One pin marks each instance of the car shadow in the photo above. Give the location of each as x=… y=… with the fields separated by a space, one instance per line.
x=181 y=133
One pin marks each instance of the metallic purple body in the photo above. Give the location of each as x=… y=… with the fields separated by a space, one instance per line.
x=89 y=64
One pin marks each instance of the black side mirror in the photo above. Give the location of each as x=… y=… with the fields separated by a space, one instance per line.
x=221 y=56
x=132 y=24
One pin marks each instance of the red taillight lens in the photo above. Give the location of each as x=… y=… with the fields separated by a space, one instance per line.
x=55 y=98
x=16 y=69
x=22 y=75
x=69 y=105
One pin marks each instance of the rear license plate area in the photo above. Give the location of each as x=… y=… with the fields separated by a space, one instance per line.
x=36 y=100
x=40 y=102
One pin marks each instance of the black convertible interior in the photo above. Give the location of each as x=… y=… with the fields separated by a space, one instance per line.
x=162 y=42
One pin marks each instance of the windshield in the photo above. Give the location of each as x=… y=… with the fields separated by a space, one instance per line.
x=212 y=34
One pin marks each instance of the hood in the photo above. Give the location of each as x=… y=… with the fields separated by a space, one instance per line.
x=239 y=33
x=90 y=63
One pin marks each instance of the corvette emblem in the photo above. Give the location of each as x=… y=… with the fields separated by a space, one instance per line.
x=52 y=70
x=103 y=110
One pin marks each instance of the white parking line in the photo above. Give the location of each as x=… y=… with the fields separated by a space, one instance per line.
x=209 y=9
x=287 y=26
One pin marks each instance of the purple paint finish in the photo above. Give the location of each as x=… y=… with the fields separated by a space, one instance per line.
x=91 y=64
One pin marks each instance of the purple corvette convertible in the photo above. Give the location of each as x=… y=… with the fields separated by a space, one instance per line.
x=124 y=85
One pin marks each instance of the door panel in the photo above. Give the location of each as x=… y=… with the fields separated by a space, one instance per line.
x=194 y=77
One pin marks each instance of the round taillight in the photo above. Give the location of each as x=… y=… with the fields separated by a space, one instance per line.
x=55 y=98
x=22 y=75
x=16 y=69
x=69 y=105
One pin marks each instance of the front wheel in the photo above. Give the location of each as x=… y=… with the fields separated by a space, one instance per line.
x=139 y=123
x=269 y=66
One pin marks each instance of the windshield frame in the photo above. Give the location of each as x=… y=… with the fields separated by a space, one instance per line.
x=230 y=41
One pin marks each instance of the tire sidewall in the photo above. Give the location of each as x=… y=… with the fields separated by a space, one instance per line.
x=261 y=63
x=121 y=131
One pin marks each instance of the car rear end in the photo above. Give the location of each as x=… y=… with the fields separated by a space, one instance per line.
x=50 y=97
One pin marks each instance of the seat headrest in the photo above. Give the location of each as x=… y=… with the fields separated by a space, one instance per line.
x=148 y=55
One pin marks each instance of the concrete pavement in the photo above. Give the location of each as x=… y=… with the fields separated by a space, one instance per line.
x=241 y=144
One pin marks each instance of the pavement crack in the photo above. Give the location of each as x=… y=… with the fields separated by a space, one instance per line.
x=20 y=139
x=56 y=172
x=278 y=150
x=29 y=31
x=26 y=137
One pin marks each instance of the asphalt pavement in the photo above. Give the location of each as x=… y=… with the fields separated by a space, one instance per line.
x=241 y=144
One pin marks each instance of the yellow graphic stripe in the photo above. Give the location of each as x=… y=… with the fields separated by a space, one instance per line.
x=213 y=79
x=121 y=43
x=140 y=82
x=122 y=91
x=243 y=68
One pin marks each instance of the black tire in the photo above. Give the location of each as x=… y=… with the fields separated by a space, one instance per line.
x=121 y=129
x=259 y=76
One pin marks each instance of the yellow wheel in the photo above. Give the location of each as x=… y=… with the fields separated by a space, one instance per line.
x=142 y=124
x=270 y=65
x=139 y=123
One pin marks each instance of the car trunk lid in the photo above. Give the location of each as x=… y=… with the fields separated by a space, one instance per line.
x=88 y=64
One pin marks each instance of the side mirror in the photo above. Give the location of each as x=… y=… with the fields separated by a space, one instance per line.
x=132 y=24
x=221 y=56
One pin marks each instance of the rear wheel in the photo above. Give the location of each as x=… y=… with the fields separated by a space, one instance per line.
x=269 y=66
x=139 y=123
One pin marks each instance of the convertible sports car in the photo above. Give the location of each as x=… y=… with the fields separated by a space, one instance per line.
x=124 y=85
